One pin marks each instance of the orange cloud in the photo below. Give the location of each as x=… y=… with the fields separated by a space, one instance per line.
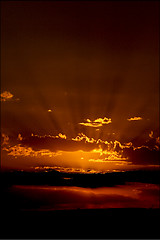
x=5 y=139
x=157 y=146
x=20 y=138
x=116 y=162
x=66 y=169
x=6 y=96
x=134 y=119
x=83 y=137
x=109 y=155
x=62 y=135
x=158 y=140
x=99 y=122
x=23 y=151
x=151 y=134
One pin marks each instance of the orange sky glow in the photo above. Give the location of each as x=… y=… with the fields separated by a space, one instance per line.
x=79 y=85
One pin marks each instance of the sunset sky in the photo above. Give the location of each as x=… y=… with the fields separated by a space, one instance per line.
x=80 y=85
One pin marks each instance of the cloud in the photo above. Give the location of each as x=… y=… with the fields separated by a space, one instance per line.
x=5 y=139
x=110 y=156
x=153 y=143
x=23 y=151
x=99 y=122
x=83 y=149
x=134 y=119
x=158 y=140
x=37 y=146
x=63 y=136
x=151 y=134
x=142 y=155
x=116 y=162
x=6 y=96
x=20 y=137
x=59 y=142
x=83 y=137
x=60 y=135
x=65 y=169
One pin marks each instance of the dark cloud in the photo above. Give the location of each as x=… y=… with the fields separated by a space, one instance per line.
x=142 y=155
x=57 y=144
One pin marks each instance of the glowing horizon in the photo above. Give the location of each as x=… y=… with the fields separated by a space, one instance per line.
x=81 y=152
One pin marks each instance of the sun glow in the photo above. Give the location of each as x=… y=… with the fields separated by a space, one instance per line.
x=81 y=152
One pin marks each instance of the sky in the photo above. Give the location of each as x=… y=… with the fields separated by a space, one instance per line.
x=80 y=85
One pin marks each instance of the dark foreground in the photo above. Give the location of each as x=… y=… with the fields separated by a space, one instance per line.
x=121 y=223
x=89 y=223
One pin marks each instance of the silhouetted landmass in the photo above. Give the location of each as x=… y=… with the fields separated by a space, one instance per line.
x=54 y=178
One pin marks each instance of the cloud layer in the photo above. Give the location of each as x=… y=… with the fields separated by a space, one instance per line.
x=82 y=150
